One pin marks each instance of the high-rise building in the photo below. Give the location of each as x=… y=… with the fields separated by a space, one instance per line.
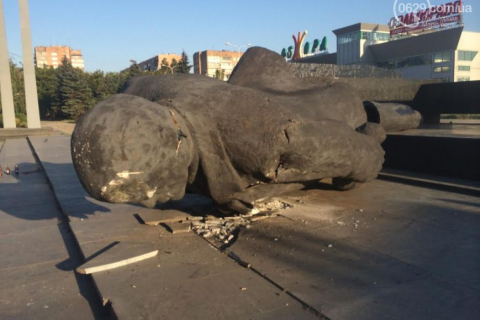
x=156 y=62
x=52 y=56
x=211 y=63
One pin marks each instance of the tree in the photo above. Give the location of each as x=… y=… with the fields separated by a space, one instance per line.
x=183 y=64
x=47 y=85
x=18 y=88
x=74 y=96
x=220 y=74
x=164 y=67
x=113 y=82
x=133 y=70
x=284 y=53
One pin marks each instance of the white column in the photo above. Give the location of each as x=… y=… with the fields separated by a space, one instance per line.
x=8 y=110
x=31 y=98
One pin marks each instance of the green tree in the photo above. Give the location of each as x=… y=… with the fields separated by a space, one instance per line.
x=220 y=74
x=47 y=86
x=18 y=88
x=113 y=82
x=74 y=96
x=164 y=67
x=183 y=65
x=96 y=82
x=133 y=70
x=284 y=53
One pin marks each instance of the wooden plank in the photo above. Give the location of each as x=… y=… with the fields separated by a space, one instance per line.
x=155 y=217
x=120 y=255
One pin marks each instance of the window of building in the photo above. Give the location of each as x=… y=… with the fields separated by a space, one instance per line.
x=441 y=69
x=463 y=68
x=466 y=55
x=441 y=57
x=383 y=36
x=349 y=37
x=367 y=35
x=413 y=61
x=54 y=53
x=227 y=58
x=460 y=79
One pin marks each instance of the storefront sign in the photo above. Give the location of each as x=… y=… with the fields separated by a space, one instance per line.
x=445 y=15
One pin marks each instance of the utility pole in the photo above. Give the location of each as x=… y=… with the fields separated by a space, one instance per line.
x=31 y=97
x=8 y=110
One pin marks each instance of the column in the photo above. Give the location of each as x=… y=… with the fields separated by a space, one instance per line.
x=8 y=110
x=31 y=98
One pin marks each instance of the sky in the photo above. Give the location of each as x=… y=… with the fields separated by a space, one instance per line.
x=112 y=32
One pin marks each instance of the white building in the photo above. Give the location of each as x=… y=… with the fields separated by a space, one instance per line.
x=449 y=54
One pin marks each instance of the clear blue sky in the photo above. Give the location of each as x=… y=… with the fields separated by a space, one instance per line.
x=111 y=32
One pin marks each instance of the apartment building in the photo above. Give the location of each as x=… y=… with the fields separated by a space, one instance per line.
x=51 y=56
x=212 y=63
x=155 y=63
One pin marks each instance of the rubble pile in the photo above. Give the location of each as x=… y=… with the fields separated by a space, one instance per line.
x=225 y=229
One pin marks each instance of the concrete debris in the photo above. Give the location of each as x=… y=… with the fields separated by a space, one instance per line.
x=222 y=229
x=176 y=227
x=273 y=205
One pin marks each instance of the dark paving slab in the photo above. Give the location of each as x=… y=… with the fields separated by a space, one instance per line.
x=189 y=279
x=384 y=251
x=36 y=262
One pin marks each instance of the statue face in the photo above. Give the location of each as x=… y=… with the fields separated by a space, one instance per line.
x=139 y=153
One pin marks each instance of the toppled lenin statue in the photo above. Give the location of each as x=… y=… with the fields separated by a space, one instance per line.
x=261 y=134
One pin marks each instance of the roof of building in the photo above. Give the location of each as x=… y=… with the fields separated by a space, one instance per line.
x=221 y=52
x=362 y=26
x=417 y=45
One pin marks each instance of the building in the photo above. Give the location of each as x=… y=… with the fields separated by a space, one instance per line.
x=210 y=63
x=156 y=62
x=52 y=56
x=449 y=54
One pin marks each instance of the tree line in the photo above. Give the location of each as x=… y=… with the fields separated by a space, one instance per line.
x=67 y=92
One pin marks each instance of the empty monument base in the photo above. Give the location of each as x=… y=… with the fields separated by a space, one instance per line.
x=445 y=149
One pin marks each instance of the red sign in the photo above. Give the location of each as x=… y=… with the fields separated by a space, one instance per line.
x=439 y=23
x=433 y=17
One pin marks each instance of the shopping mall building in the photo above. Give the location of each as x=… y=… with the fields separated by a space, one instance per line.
x=446 y=52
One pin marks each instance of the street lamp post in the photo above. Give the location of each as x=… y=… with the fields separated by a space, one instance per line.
x=170 y=67
x=238 y=47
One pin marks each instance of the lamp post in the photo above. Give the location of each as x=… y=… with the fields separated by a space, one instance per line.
x=170 y=67
x=238 y=47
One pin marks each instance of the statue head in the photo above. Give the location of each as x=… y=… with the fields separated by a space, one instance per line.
x=128 y=149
